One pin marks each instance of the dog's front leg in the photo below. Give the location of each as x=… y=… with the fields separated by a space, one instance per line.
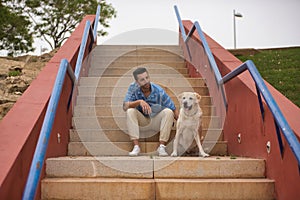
x=176 y=141
x=201 y=151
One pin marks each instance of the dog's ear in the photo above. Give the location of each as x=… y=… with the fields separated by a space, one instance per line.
x=179 y=97
x=198 y=96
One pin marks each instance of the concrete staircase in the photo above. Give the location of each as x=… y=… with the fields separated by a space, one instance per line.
x=97 y=165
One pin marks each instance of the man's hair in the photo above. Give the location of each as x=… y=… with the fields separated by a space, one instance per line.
x=138 y=71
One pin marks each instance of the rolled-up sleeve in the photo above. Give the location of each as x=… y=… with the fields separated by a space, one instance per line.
x=130 y=95
x=167 y=101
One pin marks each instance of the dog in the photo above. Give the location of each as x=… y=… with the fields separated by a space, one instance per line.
x=188 y=123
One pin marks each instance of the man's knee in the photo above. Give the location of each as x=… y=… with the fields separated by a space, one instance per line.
x=168 y=113
x=131 y=112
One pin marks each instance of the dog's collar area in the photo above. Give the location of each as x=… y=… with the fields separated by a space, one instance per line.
x=190 y=115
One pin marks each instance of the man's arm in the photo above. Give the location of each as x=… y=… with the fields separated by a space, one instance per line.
x=176 y=113
x=133 y=104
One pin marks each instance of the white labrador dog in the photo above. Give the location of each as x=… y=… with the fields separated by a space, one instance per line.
x=188 y=123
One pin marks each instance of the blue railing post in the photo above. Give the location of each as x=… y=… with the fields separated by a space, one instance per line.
x=96 y=21
x=87 y=28
x=280 y=121
x=42 y=144
x=180 y=23
x=41 y=148
x=277 y=114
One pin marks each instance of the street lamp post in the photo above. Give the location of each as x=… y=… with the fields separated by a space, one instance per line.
x=234 y=28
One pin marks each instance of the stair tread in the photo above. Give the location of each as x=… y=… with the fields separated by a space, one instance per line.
x=207 y=159
x=204 y=180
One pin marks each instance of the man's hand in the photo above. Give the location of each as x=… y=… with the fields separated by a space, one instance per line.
x=145 y=107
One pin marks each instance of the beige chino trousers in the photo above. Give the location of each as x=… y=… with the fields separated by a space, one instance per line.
x=162 y=122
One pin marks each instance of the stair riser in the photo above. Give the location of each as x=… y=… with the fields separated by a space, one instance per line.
x=136 y=48
x=98 y=189
x=156 y=167
x=122 y=148
x=117 y=167
x=129 y=66
x=136 y=51
x=128 y=72
x=169 y=82
x=156 y=189
x=153 y=70
x=214 y=189
x=119 y=135
x=139 y=53
x=118 y=100
x=138 y=58
x=98 y=74
x=89 y=91
x=119 y=122
x=89 y=111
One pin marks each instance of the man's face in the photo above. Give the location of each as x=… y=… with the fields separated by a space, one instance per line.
x=143 y=80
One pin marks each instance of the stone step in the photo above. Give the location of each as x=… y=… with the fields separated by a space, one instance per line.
x=147 y=148
x=125 y=81
x=155 y=167
x=136 y=49
x=136 y=53
x=117 y=135
x=112 y=90
x=97 y=188
x=97 y=110
x=154 y=72
x=117 y=100
x=208 y=189
x=141 y=63
x=134 y=58
x=118 y=188
x=97 y=73
x=115 y=122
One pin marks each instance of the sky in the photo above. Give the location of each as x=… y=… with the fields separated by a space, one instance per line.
x=265 y=23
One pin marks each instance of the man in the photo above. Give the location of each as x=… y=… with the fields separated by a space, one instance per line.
x=148 y=107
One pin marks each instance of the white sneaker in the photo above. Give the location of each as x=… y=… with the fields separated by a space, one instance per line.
x=162 y=150
x=135 y=151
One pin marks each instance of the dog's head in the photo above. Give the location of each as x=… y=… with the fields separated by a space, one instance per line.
x=188 y=100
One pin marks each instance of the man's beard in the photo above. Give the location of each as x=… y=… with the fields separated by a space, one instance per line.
x=146 y=87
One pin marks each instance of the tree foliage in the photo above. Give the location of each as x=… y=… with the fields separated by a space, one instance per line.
x=15 y=34
x=54 y=20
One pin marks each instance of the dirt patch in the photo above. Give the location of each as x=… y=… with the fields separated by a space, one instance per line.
x=16 y=74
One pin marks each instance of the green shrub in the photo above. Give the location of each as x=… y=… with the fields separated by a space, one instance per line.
x=14 y=73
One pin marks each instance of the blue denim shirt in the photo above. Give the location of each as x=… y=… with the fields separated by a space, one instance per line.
x=157 y=96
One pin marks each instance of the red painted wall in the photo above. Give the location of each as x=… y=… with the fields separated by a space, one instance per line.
x=243 y=116
x=20 y=128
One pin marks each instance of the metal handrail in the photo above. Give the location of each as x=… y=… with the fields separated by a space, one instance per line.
x=43 y=140
x=280 y=121
x=207 y=50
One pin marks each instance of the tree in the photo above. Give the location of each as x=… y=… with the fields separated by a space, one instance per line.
x=54 y=20
x=15 y=35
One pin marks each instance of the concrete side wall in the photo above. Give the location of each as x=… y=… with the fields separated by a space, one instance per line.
x=20 y=128
x=244 y=117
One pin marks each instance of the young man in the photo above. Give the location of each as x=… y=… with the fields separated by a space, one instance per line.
x=148 y=107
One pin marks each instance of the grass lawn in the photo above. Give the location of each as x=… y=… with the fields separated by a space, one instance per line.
x=280 y=67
